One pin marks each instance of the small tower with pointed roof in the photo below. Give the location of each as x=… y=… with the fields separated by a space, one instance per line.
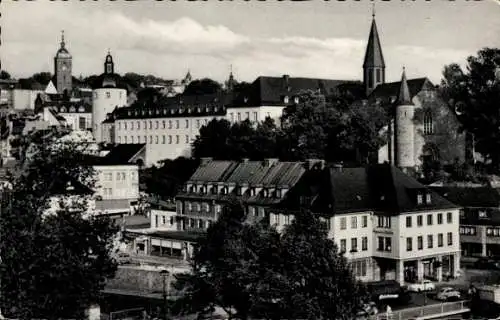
x=62 y=68
x=404 y=134
x=374 y=64
x=230 y=83
x=109 y=66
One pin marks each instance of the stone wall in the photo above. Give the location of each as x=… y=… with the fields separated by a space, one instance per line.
x=138 y=279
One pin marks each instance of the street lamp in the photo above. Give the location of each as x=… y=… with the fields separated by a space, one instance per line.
x=164 y=274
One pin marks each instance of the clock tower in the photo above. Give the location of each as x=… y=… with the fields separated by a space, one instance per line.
x=62 y=68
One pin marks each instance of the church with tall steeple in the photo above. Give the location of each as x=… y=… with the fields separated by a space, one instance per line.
x=423 y=129
x=63 y=69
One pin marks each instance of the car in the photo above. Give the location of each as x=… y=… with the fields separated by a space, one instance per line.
x=448 y=293
x=487 y=263
x=425 y=285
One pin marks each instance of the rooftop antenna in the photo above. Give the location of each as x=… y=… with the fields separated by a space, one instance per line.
x=373 y=10
x=62 y=39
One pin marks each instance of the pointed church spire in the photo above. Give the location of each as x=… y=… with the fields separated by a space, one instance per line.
x=373 y=55
x=374 y=64
x=63 y=44
x=404 y=97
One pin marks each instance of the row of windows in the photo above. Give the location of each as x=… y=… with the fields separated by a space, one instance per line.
x=239 y=191
x=247 y=116
x=420 y=198
x=257 y=212
x=107 y=191
x=354 y=222
x=120 y=176
x=200 y=207
x=196 y=224
x=72 y=109
x=107 y=93
x=384 y=244
x=468 y=231
x=430 y=241
x=164 y=220
x=282 y=219
x=495 y=232
x=131 y=126
x=430 y=219
x=156 y=139
x=354 y=245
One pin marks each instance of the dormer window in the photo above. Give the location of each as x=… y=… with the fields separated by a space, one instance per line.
x=191 y=188
x=238 y=191
x=252 y=192
x=419 y=198
x=278 y=193
x=482 y=214
x=223 y=190
x=296 y=99
x=285 y=99
x=428 y=198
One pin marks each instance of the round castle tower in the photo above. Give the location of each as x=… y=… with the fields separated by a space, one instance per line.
x=404 y=127
x=107 y=95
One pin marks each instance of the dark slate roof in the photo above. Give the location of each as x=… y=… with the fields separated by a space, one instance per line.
x=377 y=187
x=391 y=89
x=123 y=153
x=109 y=81
x=373 y=54
x=480 y=197
x=213 y=171
x=178 y=106
x=270 y=91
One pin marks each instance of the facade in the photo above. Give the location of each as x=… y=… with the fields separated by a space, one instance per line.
x=63 y=69
x=479 y=219
x=108 y=94
x=24 y=99
x=389 y=226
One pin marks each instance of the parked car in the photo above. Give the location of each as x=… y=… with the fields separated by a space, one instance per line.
x=487 y=263
x=448 y=293
x=425 y=285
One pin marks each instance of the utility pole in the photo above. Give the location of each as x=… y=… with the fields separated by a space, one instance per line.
x=164 y=274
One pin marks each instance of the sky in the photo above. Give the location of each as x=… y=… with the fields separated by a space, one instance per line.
x=317 y=39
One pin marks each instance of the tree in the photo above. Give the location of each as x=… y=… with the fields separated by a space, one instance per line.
x=250 y=270
x=474 y=94
x=4 y=75
x=42 y=77
x=334 y=129
x=54 y=262
x=213 y=140
x=203 y=86
x=165 y=181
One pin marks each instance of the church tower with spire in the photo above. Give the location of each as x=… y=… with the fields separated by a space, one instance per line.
x=63 y=69
x=404 y=127
x=374 y=64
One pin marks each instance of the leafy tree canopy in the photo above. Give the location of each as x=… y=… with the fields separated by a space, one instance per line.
x=167 y=179
x=250 y=270
x=333 y=129
x=4 y=75
x=474 y=94
x=203 y=86
x=54 y=262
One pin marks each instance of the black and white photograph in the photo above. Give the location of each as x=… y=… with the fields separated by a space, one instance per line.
x=250 y=160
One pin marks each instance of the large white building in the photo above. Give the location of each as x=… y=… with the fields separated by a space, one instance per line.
x=389 y=226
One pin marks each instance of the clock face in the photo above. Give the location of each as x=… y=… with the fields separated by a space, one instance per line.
x=64 y=67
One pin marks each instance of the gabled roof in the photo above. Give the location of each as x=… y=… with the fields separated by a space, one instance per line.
x=373 y=54
x=124 y=153
x=50 y=89
x=391 y=89
x=213 y=171
x=380 y=187
x=272 y=90
x=480 y=197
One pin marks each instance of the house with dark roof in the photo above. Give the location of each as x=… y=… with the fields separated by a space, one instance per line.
x=388 y=225
x=479 y=219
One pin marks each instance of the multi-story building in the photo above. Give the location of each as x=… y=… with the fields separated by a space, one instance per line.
x=479 y=219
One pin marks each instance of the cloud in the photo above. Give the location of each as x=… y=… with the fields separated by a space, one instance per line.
x=168 y=48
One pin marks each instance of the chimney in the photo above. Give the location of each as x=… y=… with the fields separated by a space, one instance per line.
x=338 y=167
x=286 y=81
x=311 y=163
x=269 y=162
x=204 y=161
